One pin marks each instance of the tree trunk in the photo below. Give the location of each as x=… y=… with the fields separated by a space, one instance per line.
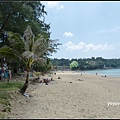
x=25 y=86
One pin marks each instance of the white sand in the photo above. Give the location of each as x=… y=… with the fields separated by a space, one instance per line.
x=72 y=96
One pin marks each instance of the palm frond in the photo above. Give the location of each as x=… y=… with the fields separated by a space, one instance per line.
x=5 y=51
x=42 y=60
x=16 y=41
x=28 y=39
x=28 y=54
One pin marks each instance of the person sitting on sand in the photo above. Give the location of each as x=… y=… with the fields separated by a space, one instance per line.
x=46 y=81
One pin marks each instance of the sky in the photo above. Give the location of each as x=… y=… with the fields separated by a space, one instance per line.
x=85 y=29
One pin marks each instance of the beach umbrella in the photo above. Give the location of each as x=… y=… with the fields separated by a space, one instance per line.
x=73 y=64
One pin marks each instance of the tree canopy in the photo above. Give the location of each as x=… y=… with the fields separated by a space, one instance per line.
x=25 y=35
x=89 y=63
x=28 y=49
x=16 y=16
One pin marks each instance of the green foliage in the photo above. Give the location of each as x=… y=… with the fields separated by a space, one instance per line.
x=29 y=48
x=60 y=62
x=16 y=16
x=43 y=68
x=89 y=63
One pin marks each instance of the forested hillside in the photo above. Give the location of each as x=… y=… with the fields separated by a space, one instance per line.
x=89 y=63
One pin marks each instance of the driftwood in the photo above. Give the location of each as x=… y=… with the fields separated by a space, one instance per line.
x=80 y=80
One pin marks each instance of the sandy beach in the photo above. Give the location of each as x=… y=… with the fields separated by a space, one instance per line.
x=72 y=96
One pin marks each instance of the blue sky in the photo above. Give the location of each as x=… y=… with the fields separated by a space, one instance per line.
x=85 y=28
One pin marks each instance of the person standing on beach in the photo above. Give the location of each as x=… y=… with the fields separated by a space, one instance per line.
x=9 y=74
x=2 y=74
x=6 y=73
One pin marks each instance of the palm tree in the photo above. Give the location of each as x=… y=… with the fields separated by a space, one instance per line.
x=29 y=48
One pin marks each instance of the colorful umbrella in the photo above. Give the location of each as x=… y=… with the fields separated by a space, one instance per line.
x=73 y=64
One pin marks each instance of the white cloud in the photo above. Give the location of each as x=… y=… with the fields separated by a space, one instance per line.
x=53 y=4
x=68 y=34
x=87 y=47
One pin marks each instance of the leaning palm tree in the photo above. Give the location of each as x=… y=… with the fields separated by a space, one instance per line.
x=29 y=48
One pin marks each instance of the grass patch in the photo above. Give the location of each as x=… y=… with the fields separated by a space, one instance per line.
x=5 y=88
x=10 y=85
x=4 y=96
x=2 y=116
x=4 y=103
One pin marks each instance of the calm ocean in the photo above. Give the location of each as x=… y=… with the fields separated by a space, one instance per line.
x=108 y=72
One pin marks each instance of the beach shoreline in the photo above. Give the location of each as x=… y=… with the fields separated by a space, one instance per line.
x=70 y=95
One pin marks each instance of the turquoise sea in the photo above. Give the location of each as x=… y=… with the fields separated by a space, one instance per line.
x=107 y=72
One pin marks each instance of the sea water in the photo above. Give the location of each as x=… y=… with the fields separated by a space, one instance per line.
x=107 y=72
